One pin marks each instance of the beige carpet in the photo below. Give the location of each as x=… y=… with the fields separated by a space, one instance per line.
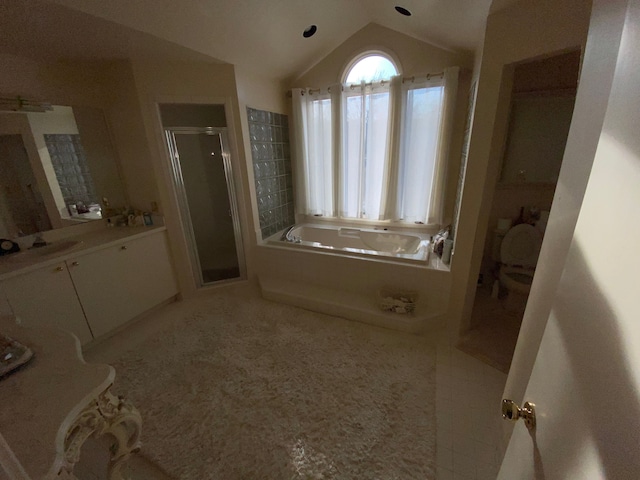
x=242 y=388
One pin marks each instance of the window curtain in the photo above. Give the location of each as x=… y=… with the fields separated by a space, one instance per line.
x=416 y=188
x=376 y=152
x=395 y=129
x=436 y=203
x=315 y=152
x=364 y=155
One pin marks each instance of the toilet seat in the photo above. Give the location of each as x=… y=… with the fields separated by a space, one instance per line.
x=516 y=279
x=521 y=246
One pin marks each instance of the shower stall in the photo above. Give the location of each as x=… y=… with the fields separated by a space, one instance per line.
x=203 y=180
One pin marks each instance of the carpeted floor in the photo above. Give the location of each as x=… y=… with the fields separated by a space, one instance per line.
x=236 y=387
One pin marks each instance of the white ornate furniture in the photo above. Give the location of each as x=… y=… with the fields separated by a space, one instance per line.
x=52 y=405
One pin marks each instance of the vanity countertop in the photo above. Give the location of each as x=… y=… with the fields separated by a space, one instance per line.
x=24 y=262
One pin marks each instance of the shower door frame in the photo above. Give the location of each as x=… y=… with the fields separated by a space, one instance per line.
x=183 y=204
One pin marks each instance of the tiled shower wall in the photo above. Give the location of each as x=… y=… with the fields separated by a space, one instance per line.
x=270 y=152
x=72 y=171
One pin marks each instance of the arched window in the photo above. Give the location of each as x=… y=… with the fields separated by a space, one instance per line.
x=356 y=167
x=372 y=67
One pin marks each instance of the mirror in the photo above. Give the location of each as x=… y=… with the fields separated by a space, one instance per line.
x=59 y=169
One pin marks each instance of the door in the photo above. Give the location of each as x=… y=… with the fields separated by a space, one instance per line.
x=119 y=282
x=46 y=298
x=585 y=381
x=204 y=182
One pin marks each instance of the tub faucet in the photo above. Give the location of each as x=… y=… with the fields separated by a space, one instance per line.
x=286 y=234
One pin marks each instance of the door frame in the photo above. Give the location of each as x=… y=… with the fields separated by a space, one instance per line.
x=183 y=205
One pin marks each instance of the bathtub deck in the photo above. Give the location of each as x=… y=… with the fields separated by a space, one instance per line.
x=348 y=305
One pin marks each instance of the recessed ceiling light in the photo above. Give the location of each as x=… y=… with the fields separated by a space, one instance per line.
x=309 y=31
x=403 y=11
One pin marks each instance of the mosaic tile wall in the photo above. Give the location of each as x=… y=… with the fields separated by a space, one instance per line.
x=270 y=153
x=72 y=171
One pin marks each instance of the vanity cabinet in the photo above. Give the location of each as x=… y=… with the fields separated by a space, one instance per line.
x=119 y=282
x=46 y=298
x=93 y=293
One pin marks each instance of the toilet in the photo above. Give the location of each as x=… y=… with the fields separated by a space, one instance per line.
x=519 y=254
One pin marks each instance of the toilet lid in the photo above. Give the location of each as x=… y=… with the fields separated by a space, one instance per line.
x=521 y=246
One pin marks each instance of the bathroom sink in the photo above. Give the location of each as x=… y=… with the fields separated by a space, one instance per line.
x=51 y=249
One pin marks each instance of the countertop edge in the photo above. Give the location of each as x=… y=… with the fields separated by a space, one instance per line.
x=80 y=250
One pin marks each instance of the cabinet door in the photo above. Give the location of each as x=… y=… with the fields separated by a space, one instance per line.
x=46 y=298
x=117 y=283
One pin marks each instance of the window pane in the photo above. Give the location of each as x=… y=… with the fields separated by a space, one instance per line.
x=418 y=150
x=371 y=69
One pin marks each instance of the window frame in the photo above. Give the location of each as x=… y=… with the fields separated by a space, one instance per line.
x=341 y=220
x=368 y=53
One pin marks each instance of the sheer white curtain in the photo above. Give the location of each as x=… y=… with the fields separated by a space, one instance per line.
x=425 y=130
x=375 y=152
x=312 y=119
x=436 y=204
x=364 y=154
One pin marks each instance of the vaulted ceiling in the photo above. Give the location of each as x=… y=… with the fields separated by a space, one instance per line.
x=263 y=35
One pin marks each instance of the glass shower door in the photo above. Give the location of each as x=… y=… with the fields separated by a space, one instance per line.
x=202 y=172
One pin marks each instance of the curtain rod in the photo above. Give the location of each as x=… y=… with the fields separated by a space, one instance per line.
x=411 y=79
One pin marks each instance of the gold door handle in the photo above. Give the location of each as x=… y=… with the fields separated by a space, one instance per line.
x=511 y=411
x=75 y=264
x=59 y=269
x=123 y=247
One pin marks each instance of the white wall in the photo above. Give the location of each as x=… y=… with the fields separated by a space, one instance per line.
x=189 y=82
x=413 y=56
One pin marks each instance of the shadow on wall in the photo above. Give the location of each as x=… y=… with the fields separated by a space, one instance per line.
x=607 y=389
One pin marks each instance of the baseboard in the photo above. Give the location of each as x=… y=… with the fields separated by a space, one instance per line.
x=349 y=305
x=97 y=341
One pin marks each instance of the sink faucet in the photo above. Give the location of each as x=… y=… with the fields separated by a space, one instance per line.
x=39 y=241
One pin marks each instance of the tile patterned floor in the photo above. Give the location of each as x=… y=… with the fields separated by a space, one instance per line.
x=470 y=439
